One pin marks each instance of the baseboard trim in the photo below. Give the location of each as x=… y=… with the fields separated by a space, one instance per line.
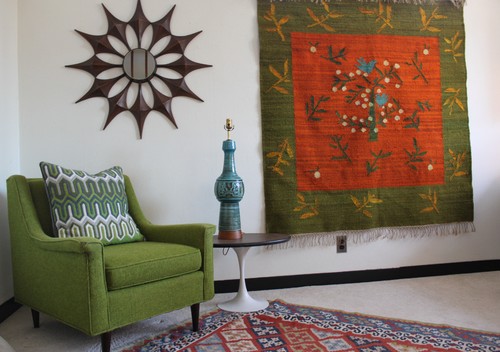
x=409 y=272
x=8 y=308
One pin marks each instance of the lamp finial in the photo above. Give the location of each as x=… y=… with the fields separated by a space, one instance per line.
x=229 y=127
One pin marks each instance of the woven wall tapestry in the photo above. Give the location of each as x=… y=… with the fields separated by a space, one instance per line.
x=364 y=119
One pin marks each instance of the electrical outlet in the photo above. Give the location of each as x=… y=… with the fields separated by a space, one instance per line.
x=341 y=244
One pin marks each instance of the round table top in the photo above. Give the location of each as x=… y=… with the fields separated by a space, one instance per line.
x=252 y=240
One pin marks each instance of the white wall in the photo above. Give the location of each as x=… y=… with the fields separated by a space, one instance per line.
x=9 y=131
x=174 y=170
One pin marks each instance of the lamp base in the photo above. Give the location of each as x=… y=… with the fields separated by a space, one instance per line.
x=230 y=235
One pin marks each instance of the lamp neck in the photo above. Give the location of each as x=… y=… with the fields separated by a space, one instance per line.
x=229 y=146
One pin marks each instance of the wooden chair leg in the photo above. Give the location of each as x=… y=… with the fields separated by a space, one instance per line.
x=195 y=315
x=35 y=315
x=106 y=341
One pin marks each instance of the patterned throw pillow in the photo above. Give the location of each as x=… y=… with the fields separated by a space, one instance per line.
x=85 y=205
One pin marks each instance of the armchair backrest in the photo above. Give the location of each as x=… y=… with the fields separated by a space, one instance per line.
x=41 y=203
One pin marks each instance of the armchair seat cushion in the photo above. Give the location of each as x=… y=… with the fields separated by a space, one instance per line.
x=137 y=263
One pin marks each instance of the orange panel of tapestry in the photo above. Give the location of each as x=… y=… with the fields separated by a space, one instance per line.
x=367 y=111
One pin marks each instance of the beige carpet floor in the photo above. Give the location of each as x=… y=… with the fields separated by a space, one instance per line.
x=469 y=301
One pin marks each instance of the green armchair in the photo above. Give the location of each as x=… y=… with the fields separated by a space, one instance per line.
x=96 y=288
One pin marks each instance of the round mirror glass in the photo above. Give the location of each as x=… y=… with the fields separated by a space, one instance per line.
x=139 y=65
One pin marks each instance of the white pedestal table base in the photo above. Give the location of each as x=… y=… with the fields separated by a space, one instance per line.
x=243 y=302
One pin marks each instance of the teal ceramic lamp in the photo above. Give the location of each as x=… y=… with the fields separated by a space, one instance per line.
x=229 y=190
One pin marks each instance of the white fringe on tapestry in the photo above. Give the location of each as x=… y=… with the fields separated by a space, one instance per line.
x=324 y=239
x=457 y=3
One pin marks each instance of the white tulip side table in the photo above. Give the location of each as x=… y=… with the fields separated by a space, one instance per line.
x=243 y=302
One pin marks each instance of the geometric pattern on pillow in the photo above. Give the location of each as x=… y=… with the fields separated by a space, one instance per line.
x=89 y=205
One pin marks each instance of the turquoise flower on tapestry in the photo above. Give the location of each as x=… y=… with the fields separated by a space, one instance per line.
x=381 y=99
x=366 y=66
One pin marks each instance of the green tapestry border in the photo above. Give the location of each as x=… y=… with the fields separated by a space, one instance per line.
x=457 y=3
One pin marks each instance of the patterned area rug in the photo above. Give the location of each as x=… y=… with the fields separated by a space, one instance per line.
x=364 y=118
x=284 y=327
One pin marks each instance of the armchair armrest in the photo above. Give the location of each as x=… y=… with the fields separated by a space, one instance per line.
x=196 y=235
x=48 y=270
x=72 y=245
x=52 y=269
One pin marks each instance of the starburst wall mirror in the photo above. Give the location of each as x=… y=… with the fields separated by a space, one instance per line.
x=139 y=66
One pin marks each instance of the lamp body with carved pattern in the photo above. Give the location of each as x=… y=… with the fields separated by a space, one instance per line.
x=229 y=190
